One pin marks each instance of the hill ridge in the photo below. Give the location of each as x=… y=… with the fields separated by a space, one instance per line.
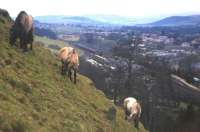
x=191 y=20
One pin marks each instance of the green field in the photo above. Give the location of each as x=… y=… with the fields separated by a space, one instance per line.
x=47 y=42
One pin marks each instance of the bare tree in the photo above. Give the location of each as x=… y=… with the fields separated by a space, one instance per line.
x=128 y=49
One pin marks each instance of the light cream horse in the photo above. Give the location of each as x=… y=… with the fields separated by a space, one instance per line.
x=132 y=110
x=70 y=61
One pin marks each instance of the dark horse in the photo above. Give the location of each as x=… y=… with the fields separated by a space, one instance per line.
x=22 y=29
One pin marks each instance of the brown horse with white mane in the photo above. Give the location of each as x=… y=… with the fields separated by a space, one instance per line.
x=22 y=29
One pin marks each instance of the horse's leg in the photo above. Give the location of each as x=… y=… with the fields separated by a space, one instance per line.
x=30 y=38
x=126 y=114
x=75 y=70
x=70 y=74
x=25 y=45
x=12 y=39
x=66 y=67
x=12 y=42
x=62 y=68
x=125 y=117
x=136 y=122
x=21 y=43
x=25 y=42
x=31 y=46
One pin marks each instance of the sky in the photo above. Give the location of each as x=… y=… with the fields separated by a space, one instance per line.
x=129 y=8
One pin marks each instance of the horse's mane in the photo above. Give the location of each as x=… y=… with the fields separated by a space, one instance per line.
x=20 y=16
x=24 y=21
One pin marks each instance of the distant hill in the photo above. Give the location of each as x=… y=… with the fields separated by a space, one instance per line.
x=106 y=20
x=176 y=21
x=121 y=20
x=68 y=20
x=113 y=19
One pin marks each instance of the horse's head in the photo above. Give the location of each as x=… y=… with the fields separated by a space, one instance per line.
x=132 y=117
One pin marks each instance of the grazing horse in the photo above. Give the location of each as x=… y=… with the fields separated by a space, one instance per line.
x=63 y=55
x=22 y=29
x=70 y=61
x=132 y=110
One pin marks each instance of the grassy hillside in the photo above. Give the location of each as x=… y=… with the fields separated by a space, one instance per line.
x=34 y=97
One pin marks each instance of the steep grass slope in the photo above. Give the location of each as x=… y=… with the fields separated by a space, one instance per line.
x=34 y=97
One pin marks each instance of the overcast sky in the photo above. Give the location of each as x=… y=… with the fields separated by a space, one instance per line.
x=133 y=8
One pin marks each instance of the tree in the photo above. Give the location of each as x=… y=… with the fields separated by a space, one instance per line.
x=186 y=70
x=117 y=80
x=45 y=32
x=128 y=49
